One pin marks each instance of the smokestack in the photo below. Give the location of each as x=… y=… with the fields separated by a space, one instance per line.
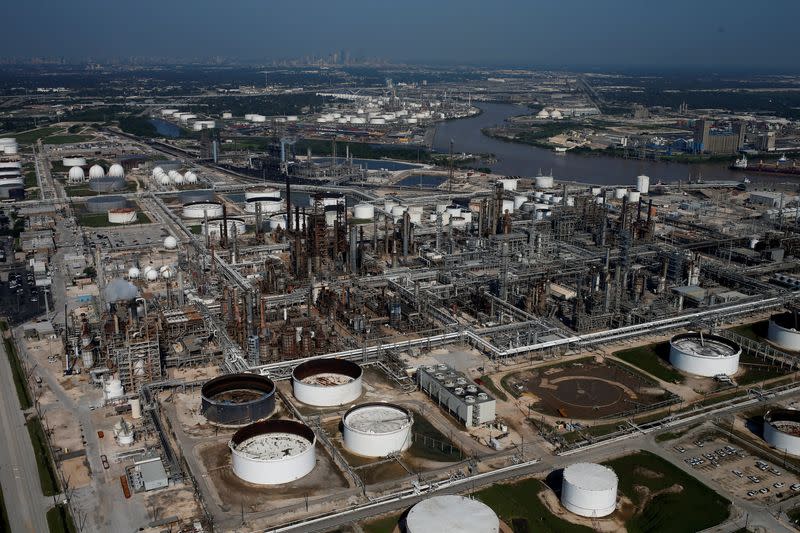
x=353 y=249
x=406 y=231
x=224 y=231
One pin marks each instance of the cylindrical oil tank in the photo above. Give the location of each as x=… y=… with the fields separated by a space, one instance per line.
x=704 y=355
x=74 y=161
x=215 y=227
x=103 y=204
x=620 y=192
x=509 y=184
x=452 y=513
x=634 y=197
x=784 y=331
x=237 y=399
x=643 y=184
x=327 y=382
x=597 y=191
x=377 y=429
x=364 y=212
x=202 y=210
x=107 y=184
x=122 y=215
x=782 y=430
x=543 y=182
x=273 y=452
x=268 y=205
x=589 y=489
x=136 y=408
x=261 y=192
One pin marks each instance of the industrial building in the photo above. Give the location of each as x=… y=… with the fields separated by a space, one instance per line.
x=457 y=394
x=708 y=139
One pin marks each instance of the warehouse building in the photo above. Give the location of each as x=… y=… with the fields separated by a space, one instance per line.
x=457 y=394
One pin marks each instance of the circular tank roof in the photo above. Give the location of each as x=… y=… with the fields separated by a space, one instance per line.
x=590 y=476
x=711 y=346
x=378 y=418
x=452 y=513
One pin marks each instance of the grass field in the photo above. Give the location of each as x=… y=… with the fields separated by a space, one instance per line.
x=429 y=443
x=32 y=136
x=381 y=525
x=59 y=520
x=44 y=459
x=694 y=508
x=518 y=505
x=653 y=359
x=20 y=383
x=66 y=139
x=100 y=220
x=672 y=435
x=487 y=382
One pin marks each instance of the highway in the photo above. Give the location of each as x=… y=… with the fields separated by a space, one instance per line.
x=19 y=476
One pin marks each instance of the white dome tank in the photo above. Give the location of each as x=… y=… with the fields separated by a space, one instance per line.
x=191 y=177
x=273 y=452
x=452 y=513
x=170 y=243
x=97 y=172
x=782 y=430
x=589 y=489
x=157 y=171
x=166 y=272
x=377 y=429
x=784 y=331
x=152 y=275
x=134 y=273
x=179 y=179
x=643 y=184
x=164 y=179
x=76 y=175
x=704 y=354
x=116 y=171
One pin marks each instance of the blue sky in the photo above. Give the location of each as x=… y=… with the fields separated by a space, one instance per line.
x=720 y=33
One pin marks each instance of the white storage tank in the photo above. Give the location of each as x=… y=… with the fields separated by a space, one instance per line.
x=202 y=210
x=74 y=161
x=452 y=513
x=784 y=331
x=215 y=227
x=509 y=184
x=589 y=489
x=704 y=355
x=122 y=215
x=170 y=243
x=133 y=273
x=364 y=212
x=508 y=205
x=227 y=115
x=643 y=184
x=620 y=192
x=597 y=191
x=116 y=171
x=327 y=382
x=97 y=172
x=634 y=197
x=782 y=430
x=377 y=429
x=543 y=182
x=76 y=175
x=273 y=452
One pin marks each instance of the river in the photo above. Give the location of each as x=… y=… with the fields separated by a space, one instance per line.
x=515 y=159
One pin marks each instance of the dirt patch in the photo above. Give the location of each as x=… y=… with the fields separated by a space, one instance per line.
x=609 y=524
x=645 y=473
x=646 y=496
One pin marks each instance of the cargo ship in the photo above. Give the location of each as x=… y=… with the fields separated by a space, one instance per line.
x=782 y=166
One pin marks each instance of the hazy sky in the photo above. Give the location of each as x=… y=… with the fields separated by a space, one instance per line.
x=720 y=33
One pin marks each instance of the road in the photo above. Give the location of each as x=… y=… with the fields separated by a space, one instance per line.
x=19 y=476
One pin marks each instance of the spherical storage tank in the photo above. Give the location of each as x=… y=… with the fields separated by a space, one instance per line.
x=122 y=215
x=237 y=399
x=133 y=273
x=589 y=489
x=202 y=210
x=170 y=243
x=704 y=355
x=377 y=429
x=784 y=331
x=273 y=452
x=96 y=172
x=327 y=382
x=452 y=513
x=782 y=430
x=116 y=171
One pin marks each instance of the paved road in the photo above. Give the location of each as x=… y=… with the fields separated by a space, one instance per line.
x=19 y=477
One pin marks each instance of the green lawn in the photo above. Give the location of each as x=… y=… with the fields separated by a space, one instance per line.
x=694 y=508
x=487 y=382
x=21 y=384
x=59 y=520
x=672 y=435
x=518 y=506
x=429 y=443
x=66 y=139
x=756 y=330
x=100 y=220
x=44 y=459
x=32 y=136
x=653 y=359
x=381 y=525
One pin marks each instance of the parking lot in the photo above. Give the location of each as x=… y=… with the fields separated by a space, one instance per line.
x=20 y=300
x=745 y=475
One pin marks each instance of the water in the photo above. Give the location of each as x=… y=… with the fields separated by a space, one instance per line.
x=422 y=180
x=166 y=129
x=371 y=164
x=525 y=160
